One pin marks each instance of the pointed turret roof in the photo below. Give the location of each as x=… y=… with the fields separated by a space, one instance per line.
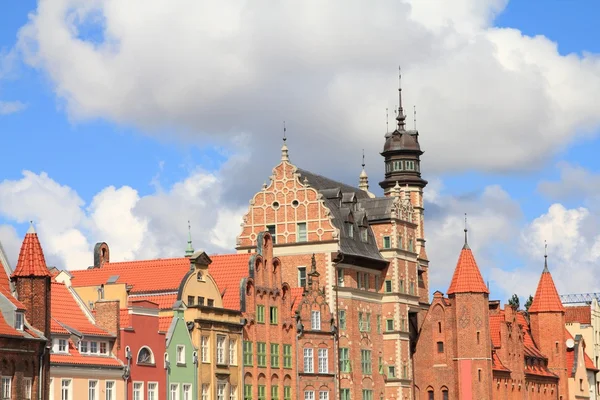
x=546 y=297
x=31 y=260
x=467 y=278
x=189 y=251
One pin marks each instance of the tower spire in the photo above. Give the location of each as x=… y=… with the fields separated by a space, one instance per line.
x=401 y=117
x=284 y=149
x=189 y=251
x=363 y=179
x=466 y=246
x=546 y=257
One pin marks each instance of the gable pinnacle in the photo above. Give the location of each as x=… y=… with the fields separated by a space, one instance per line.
x=284 y=149
x=189 y=251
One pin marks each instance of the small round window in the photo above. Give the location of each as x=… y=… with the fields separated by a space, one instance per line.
x=276 y=205
x=295 y=203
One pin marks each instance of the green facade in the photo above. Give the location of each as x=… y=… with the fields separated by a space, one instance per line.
x=181 y=372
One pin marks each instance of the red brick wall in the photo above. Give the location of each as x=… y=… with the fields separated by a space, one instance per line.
x=34 y=293
x=107 y=317
x=19 y=359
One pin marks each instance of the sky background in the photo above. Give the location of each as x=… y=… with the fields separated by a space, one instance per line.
x=122 y=120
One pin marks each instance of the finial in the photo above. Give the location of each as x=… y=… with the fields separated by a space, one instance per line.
x=284 y=150
x=387 y=121
x=415 y=118
x=466 y=246
x=363 y=159
x=546 y=257
x=313 y=263
x=31 y=227
x=400 y=118
x=189 y=251
x=284 y=138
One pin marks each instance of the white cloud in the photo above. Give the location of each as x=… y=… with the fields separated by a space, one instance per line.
x=217 y=68
x=134 y=226
x=11 y=107
x=575 y=182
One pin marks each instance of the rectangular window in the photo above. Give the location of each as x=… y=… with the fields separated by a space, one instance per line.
x=411 y=245
x=364 y=235
x=103 y=348
x=412 y=288
x=366 y=282
x=27 y=388
x=273 y=231
x=301 y=232
x=401 y=286
x=110 y=390
x=430 y=395
x=247 y=392
x=210 y=303
x=380 y=366
x=152 y=391
x=391 y=371
x=274 y=392
x=389 y=325
x=83 y=347
x=388 y=286
x=367 y=394
x=359 y=283
x=308 y=361
x=309 y=395
x=190 y=301
x=221 y=349
x=19 y=321
x=6 y=388
x=365 y=362
x=440 y=347
x=274 y=355
x=345 y=394
x=315 y=320
x=232 y=392
x=345 y=360
x=287 y=393
x=62 y=345
x=204 y=349
x=232 y=352
x=342 y=319
x=187 y=392
x=248 y=356
x=221 y=386
x=92 y=390
x=261 y=354
x=368 y=323
x=360 y=322
x=261 y=392
x=273 y=317
x=404 y=372
x=174 y=391
x=200 y=300
x=94 y=347
x=376 y=282
x=180 y=354
x=341 y=277
x=323 y=395
x=301 y=276
x=400 y=244
x=386 y=242
x=323 y=361
x=287 y=356
x=379 y=324
x=205 y=392
x=444 y=395
x=260 y=313
x=65 y=390
x=350 y=230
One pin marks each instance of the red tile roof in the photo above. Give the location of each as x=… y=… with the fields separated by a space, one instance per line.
x=6 y=292
x=7 y=330
x=164 y=323
x=164 y=301
x=31 y=260
x=467 y=278
x=497 y=364
x=228 y=270
x=296 y=296
x=125 y=321
x=546 y=297
x=65 y=310
x=581 y=314
x=76 y=358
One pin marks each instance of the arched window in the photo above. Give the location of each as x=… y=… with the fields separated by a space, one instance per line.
x=145 y=356
x=444 y=393
x=430 y=394
x=199 y=276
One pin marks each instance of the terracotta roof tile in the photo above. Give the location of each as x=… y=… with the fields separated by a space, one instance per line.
x=495 y=323
x=6 y=292
x=228 y=271
x=7 y=330
x=76 y=358
x=497 y=364
x=296 y=296
x=467 y=278
x=546 y=297
x=164 y=323
x=124 y=319
x=164 y=301
x=581 y=314
x=31 y=260
x=66 y=311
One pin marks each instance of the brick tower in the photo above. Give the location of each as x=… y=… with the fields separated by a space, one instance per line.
x=547 y=320
x=472 y=343
x=32 y=283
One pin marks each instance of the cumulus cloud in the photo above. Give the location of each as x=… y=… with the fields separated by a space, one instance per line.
x=575 y=182
x=216 y=68
x=134 y=226
x=11 y=107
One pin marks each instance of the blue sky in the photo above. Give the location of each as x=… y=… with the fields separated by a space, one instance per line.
x=109 y=148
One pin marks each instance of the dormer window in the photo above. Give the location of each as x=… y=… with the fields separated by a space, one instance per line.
x=200 y=276
x=364 y=236
x=350 y=230
x=19 y=321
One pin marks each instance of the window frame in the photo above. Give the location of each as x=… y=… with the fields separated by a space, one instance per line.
x=387 y=242
x=19 y=321
x=232 y=351
x=6 y=387
x=323 y=361
x=220 y=348
x=315 y=320
x=154 y=390
x=68 y=389
x=176 y=392
x=273 y=315
x=301 y=276
x=205 y=349
x=309 y=360
x=299 y=225
x=112 y=389
x=28 y=388
x=95 y=387
x=180 y=354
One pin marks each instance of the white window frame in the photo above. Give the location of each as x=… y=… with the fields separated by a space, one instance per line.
x=298 y=225
x=323 y=395
x=301 y=271
x=205 y=391
x=205 y=349
x=323 y=357
x=105 y=344
x=110 y=392
x=93 y=384
x=187 y=391
x=84 y=347
x=27 y=384
x=180 y=354
x=65 y=342
x=221 y=339
x=19 y=320
x=141 y=392
x=155 y=392
x=309 y=360
x=94 y=343
x=51 y=397
x=221 y=390
x=68 y=388
x=309 y=395
x=174 y=394
x=315 y=320
x=232 y=351
x=232 y=392
x=340 y=279
x=6 y=387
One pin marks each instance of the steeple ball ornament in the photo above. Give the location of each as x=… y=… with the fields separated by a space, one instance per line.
x=284 y=149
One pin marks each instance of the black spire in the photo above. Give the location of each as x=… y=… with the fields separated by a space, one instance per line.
x=401 y=117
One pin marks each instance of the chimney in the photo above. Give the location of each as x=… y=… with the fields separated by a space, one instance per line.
x=108 y=318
